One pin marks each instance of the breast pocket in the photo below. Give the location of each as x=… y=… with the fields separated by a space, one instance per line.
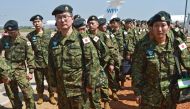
x=74 y=56
x=18 y=53
x=152 y=64
x=56 y=55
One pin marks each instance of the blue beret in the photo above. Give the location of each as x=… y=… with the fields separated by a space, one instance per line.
x=102 y=21
x=11 y=25
x=116 y=19
x=36 y=17
x=128 y=20
x=62 y=8
x=79 y=22
x=93 y=17
x=161 y=16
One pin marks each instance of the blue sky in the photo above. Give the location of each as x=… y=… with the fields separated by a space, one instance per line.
x=22 y=10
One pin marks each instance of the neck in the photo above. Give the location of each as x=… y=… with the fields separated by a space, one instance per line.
x=116 y=29
x=161 y=40
x=67 y=32
x=39 y=30
x=94 y=32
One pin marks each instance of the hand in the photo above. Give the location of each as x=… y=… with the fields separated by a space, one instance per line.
x=128 y=57
x=88 y=90
x=138 y=99
x=6 y=80
x=29 y=76
x=111 y=68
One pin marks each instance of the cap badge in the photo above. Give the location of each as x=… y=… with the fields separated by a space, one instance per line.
x=163 y=18
x=66 y=8
x=9 y=28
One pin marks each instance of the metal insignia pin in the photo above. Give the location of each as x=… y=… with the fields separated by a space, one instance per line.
x=163 y=18
x=66 y=8
x=9 y=28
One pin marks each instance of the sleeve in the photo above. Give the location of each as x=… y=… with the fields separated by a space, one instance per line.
x=51 y=66
x=90 y=63
x=138 y=67
x=30 y=57
x=184 y=54
x=130 y=42
x=111 y=48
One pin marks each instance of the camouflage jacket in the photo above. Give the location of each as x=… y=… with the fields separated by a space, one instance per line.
x=119 y=36
x=103 y=50
x=40 y=47
x=18 y=53
x=154 y=67
x=73 y=69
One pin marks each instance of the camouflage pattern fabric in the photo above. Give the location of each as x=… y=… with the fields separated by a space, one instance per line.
x=154 y=73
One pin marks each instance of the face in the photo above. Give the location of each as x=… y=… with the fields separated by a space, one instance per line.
x=93 y=25
x=160 y=29
x=82 y=29
x=38 y=24
x=64 y=20
x=128 y=25
x=13 y=33
x=103 y=28
x=114 y=25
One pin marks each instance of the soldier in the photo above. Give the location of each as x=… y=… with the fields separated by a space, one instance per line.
x=19 y=55
x=73 y=61
x=102 y=44
x=154 y=68
x=119 y=35
x=39 y=39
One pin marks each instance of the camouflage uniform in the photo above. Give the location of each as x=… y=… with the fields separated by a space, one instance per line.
x=74 y=70
x=104 y=57
x=17 y=53
x=120 y=40
x=40 y=47
x=153 y=70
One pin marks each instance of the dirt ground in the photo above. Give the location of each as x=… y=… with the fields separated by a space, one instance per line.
x=126 y=96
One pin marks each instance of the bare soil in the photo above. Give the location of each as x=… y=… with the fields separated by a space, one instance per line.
x=126 y=96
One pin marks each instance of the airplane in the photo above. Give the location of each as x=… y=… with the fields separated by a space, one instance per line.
x=110 y=12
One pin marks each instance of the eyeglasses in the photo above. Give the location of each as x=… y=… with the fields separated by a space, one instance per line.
x=60 y=17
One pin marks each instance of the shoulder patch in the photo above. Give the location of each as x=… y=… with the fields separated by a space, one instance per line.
x=112 y=35
x=107 y=35
x=52 y=34
x=182 y=46
x=86 y=40
x=125 y=33
x=176 y=29
x=28 y=43
x=96 y=38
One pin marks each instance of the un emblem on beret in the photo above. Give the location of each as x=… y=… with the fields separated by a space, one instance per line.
x=93 y=18
x=163 y=18
x=66 y=8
